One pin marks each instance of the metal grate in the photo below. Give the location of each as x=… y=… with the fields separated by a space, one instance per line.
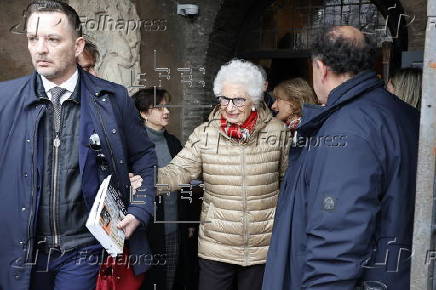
x=314 y=14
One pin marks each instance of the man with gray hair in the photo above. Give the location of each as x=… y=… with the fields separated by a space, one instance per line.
x=345 y=212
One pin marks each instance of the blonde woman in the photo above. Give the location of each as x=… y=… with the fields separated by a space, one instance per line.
x=290 y=96
x=406 y=84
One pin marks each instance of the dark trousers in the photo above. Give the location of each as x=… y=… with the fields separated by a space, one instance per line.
x=222 y=276
x=75 y=270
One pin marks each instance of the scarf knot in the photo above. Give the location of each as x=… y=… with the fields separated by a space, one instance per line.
x=240 y=132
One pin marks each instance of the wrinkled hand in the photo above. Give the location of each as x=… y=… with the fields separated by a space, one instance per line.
x=129 y=225
x=135 y=181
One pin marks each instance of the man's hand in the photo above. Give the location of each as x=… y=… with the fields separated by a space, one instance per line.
x=135 y=181
x=129 y=225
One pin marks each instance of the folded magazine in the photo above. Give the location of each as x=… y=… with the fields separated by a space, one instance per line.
x=107 y=211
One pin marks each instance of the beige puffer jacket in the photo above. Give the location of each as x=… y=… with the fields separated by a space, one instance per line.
x=241 y=186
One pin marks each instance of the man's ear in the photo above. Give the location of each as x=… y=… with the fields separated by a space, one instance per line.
x=79 y=45
x=323 y=69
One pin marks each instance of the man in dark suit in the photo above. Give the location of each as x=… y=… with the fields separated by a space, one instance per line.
x=50 y=172
x=344 y=218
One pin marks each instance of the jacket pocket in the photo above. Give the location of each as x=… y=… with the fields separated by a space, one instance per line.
x=209 y=218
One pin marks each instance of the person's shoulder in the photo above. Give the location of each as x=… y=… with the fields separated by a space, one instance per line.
x=380 y=104
x=370 y=116
x=355 y=117
x=10 y=88
x=275 y=125
x=109 y=85
x=15 y=83
x=102 y=84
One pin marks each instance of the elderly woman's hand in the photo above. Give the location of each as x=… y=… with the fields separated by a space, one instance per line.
x=135 y=181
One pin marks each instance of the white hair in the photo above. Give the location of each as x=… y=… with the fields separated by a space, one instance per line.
x=263 y=72
x=241 y=72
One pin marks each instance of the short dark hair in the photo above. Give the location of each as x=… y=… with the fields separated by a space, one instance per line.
x=343 y=55
x=55 y=6
x=91 y=49
x=144 y=98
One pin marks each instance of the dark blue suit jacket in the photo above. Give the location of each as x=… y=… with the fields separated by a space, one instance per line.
x=106 y=109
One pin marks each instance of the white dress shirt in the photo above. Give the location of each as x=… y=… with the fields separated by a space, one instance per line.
x=69 y=85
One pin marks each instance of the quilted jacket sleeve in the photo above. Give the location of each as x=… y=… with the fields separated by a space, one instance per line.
x=185 y=166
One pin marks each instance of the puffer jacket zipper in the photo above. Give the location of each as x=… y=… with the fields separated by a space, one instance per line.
x=245 y=221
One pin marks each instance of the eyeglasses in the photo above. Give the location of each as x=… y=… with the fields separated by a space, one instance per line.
x=238 y=102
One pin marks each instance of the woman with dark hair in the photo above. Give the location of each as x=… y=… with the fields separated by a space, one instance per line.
x=165 y=237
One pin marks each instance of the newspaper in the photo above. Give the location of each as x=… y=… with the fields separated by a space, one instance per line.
x=107 y=211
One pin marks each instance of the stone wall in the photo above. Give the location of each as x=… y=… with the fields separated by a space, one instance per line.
x=181 y=48
x=14 y=57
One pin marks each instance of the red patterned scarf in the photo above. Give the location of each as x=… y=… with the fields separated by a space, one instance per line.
x=293 y=124
x=242 y=132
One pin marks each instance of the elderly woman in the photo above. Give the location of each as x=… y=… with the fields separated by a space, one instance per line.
x=290 y=96
x=241 y=155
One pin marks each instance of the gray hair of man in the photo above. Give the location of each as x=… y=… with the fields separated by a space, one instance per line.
x=241 y=72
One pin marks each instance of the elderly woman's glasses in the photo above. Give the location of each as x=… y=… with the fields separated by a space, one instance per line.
x=238 y=102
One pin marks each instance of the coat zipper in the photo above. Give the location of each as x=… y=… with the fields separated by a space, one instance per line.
x=29 y=241
x=244 y=208
x=56 y=144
